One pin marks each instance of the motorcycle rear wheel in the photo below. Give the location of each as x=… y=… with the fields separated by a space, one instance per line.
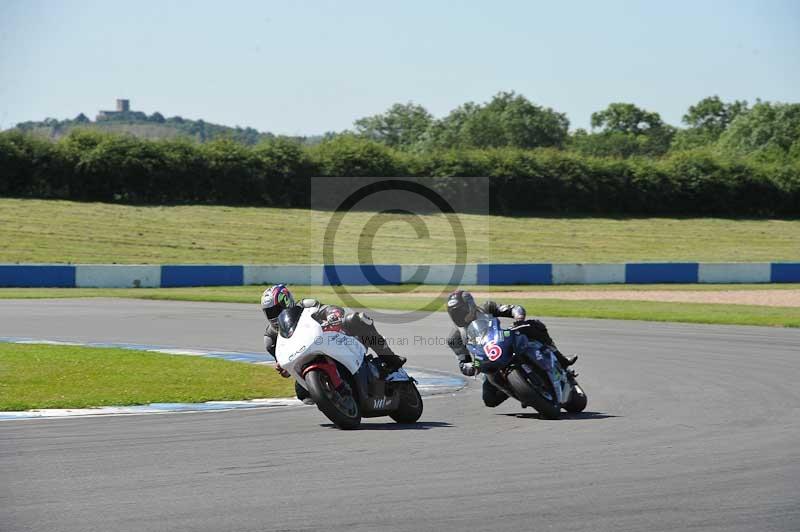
x=528 y=395
x=343 y=410
x=410 y=408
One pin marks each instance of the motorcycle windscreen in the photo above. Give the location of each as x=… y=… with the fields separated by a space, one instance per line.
x=490 y=346
x=287 y=321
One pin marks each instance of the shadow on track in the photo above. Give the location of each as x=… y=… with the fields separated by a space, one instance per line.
x=420 y=425
x=564 y=416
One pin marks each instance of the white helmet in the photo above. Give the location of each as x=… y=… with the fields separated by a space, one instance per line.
x=275 y=300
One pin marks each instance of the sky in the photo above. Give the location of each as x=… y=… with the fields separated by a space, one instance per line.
x=307 y=67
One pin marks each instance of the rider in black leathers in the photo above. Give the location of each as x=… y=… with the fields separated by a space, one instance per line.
x=332 y=318
x=462 y=310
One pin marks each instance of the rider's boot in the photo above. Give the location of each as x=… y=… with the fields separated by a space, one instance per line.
x=564 y=361
x=361 y=325
x=390 y=362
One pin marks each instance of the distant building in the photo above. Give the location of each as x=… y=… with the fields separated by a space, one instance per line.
x=123 y=106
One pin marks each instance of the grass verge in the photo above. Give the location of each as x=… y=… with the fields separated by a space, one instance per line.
x=709 y=313
x=251 y=294
x=74 y=232
x=372 y=297
x=47 y=376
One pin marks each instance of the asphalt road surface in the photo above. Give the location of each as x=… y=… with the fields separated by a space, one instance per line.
x=688 y=427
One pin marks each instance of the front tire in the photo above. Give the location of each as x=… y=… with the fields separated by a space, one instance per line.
x=342 y=409
x=577 y=400
x=528 y=394
x=410 y=408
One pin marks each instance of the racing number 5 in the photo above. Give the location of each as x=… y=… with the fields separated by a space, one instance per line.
x=493 y=351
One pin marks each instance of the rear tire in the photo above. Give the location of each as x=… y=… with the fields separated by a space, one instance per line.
x=410 y=408
x=343 y=410
x=529 y=396
x=577 y=400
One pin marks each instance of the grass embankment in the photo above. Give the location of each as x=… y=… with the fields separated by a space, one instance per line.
x=418 y=296
x=47 y=376
x=72 y=232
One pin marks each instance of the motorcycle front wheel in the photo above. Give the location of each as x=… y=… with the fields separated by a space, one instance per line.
x=529 y=395
x=577 y=400
x=341 y=408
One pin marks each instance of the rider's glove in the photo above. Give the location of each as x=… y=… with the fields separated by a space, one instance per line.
x=283 y=372
x=468 y=369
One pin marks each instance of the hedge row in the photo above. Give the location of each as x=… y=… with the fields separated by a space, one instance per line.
x=98 y=167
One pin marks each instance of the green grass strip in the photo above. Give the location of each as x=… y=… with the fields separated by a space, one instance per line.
x=251 y=294
x=47 y=376
x=719 y=314
x=78 y=232
x=376 y=298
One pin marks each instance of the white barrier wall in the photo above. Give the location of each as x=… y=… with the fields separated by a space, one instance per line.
x=301 y=274
x=734 y=273
x=436 y=274
x=117 y=276
x=588 y=273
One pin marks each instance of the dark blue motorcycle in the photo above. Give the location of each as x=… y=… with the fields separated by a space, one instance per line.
x=524 y=369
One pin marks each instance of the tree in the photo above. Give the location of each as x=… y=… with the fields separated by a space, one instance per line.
x=403 y=125
x=707 y=120
x=712 y=115
x=508 y=120
x=770 y=130
x=626 y=130
x=81 y=119
x=626 y=118
x=157 y=117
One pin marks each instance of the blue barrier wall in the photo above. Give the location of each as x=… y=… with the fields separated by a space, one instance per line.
x=176 y=275
x=37 y=275
x=361 y=274
x=201 y=275
x=786 y=272
x=506 y=274
x=667 y=272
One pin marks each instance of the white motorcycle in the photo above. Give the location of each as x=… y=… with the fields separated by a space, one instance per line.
x=344 y=382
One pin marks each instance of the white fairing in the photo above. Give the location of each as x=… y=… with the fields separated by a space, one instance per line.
x=309 y=341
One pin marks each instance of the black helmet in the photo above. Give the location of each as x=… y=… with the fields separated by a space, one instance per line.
x=461 y=307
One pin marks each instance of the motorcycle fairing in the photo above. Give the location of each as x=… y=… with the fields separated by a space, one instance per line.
x=544 y=357
x=328 y=366
x=309 y=342
x=490 y=346
x=375 y=396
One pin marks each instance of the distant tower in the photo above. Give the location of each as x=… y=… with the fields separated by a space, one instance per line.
x=123 y=106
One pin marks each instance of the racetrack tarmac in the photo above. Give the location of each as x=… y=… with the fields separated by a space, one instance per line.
x=688 y=427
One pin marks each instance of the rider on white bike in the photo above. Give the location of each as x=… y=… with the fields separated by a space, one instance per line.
x=277 y=298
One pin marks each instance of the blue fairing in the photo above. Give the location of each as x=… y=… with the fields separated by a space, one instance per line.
x=491 y=346
x=494 y=348
x=538 y=354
